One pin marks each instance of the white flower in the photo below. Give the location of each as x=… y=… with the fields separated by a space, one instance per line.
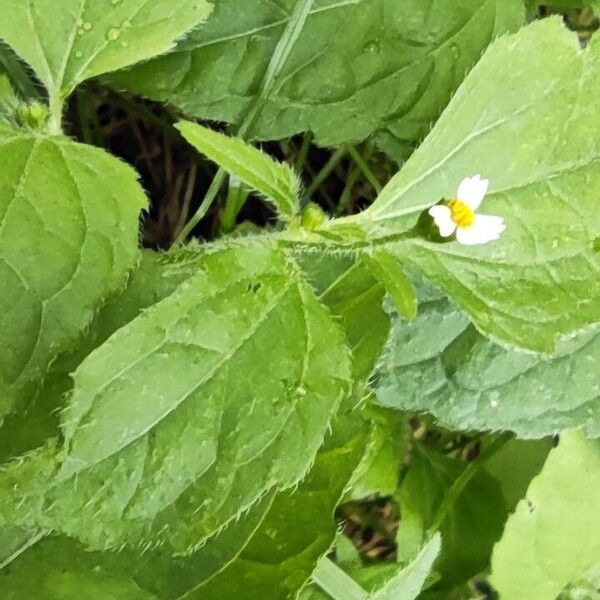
x=458 y=215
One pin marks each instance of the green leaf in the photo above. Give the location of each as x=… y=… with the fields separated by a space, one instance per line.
x=276 y=181
x=516 y=464
x=60 y=568
x=9 y=101
x=13 y=542
x=334 y=582
x=157 y=276
x=352 y=294
x=17 y=74
x=68 y=236
x=441 y=365
x=385 y=582
x=387 y=447
x=348 y=288
x=399 y=286
x=469 y=529
x=358 y=67
x=268 y=553
x=243 y=358
x=47 y=569
x=554 y=536
x=87 y=38
x=56 y=568
x=409 y=582
x=520 y=120
x=298 y=529
x=50 y=565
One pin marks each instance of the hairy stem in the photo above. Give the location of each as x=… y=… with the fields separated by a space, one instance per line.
x=56 y=106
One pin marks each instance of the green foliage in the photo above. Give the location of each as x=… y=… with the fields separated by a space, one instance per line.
x=280 y=557
x=69 y=236
x=410 y=580
x=389 y=582
x=238 y=562
x=351 y=292
x=195 y=423
x=358 y=68
x=386 y=451
x=9 y=101
x=156 y=277
x=90 y=37
x=393 y=278
x=15 y=541
x=256 y=433
x=276 y=181
x=440 y=364
x=553 y=538
x=468 y=530
x=468 y=502
x=515 y=464
x=520 y=120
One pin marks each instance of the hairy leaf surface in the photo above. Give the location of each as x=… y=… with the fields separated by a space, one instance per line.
x=156 y=276
x=86 y=38
x=267 y=554
x=441 y=365
x=276 y=181
x=68 y=236
x=359 y=66
x=198 y=407
x=525 y=118
x=298 y=528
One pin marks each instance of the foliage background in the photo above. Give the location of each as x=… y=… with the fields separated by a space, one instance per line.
x=399 y=494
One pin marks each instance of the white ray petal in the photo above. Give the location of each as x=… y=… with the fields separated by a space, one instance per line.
x=472 y=190
x=442 y=217
x=486 y=228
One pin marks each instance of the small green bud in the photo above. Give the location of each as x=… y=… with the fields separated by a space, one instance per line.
x=34 y=114
x=313 y=217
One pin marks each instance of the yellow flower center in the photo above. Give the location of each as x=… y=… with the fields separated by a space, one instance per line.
x=462 y=214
